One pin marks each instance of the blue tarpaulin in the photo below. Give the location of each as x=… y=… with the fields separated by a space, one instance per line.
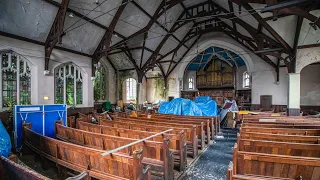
x=201 y=106
x=5 y=142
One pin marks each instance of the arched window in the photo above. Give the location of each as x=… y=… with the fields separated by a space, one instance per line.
x=100 y=83
x=131 y=89
x=15 y=78
x=246 y=80
x=68 y=84
x=191 y=82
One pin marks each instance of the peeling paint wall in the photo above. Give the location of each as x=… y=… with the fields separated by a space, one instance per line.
x=44 y=85
x=310 y=85
x=264 y=83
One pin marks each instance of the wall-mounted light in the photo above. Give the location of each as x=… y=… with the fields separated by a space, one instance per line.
x=71 y=15
x=46 y=97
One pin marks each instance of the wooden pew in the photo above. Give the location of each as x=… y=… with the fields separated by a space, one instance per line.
x=204 y=124
x=213 y=121
x=177 y=142
x=280 y=148
x=78 y=158
x=281 y=126
x=156 y=154
x=198 y=128
x=10 y=170
x=249 y=165
x=190 y=134
x=280 y=137
x=284 y=131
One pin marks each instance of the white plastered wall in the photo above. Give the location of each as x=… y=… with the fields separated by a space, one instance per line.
x=42 y=85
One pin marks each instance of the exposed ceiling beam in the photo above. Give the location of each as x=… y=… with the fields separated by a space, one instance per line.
x=84 y=17
x=143 y=47
x=309 y=46
x=56 y=32
x=234 y=25
x=105 y=42
x=160 y=10
x=159 y=24
x=292 y=66
x=152 y=59
x=184 y=54
x=111 y=63
x=285 y=45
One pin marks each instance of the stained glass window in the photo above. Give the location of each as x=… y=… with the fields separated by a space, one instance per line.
x=131 y=86
x=68 y=84
x=16 y=80
x=191 y=82
x=246 y=80
x=100 y=83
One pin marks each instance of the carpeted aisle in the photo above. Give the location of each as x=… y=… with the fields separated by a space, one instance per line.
x=214 y=162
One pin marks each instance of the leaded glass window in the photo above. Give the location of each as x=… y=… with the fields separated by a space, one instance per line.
x=68 y=84
x=131 y=86
x=246 y=80
x=100 y=83
x=191 y=82
x=15 y=80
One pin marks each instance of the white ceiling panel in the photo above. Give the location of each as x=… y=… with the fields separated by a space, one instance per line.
x=102 y=12
x=30 y=19
x=132 y=20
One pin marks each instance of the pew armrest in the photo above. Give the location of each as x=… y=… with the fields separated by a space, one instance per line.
x=80 y=176
x=230 y=171
x=146 y=174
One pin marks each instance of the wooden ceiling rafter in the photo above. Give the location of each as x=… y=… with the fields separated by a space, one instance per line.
x=56 y=32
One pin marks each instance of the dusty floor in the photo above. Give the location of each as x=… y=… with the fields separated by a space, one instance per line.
x=214 y=162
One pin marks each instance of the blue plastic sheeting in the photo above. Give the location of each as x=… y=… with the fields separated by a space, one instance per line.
x=5 y=142
x=202 y=106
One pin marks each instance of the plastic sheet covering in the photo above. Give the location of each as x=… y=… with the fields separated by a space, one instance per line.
x=229 y=106
x=5 y=142
x=202 y=106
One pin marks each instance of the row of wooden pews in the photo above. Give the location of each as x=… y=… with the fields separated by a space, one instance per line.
x=187 y=137
x=117 y=149
x=80 y=158
x=277 y=148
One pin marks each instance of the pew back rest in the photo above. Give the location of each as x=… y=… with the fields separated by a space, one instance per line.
x=280 y=138
x=83 y=158
x=285 y=131
x=280 y=148
x=152 y=149
x=278 y=165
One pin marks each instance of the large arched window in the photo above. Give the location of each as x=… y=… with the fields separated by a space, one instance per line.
x=68 y=84
x=131 y=86
x=246 y=80
x=100 y=83
x=191 y=82
x=15 y=78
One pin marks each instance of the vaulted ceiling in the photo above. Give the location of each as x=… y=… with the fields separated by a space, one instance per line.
x=144 y=34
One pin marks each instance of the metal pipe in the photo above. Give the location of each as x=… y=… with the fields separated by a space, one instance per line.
x=133 y=143
x=268 y=50
x=282 y=5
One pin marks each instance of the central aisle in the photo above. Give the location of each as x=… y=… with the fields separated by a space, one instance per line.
x=213 y=164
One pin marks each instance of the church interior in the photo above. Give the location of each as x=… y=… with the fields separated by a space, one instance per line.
x=160 y=89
